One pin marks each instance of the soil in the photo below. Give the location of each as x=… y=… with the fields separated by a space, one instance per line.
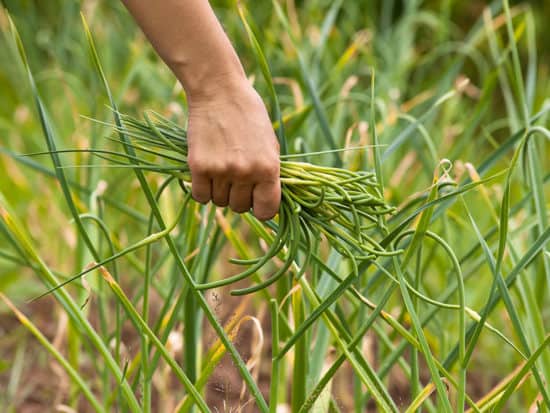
x=44 y=387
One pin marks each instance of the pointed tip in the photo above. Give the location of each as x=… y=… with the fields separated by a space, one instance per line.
x=84 y=22
x=18 y=41
x=38 y=297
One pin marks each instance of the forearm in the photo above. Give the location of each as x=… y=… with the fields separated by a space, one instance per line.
x=188 y=37
x=233 y=153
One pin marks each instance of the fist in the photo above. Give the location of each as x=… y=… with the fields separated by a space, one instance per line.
x=233 y=151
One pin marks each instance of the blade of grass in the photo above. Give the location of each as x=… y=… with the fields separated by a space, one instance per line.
x=275 y=366
x=301 y=355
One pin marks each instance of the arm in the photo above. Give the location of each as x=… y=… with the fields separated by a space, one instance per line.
x=233 y=151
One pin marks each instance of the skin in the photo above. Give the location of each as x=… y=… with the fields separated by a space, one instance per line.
x=233 y=151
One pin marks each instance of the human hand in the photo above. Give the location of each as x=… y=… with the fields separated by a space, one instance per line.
x=233 y=151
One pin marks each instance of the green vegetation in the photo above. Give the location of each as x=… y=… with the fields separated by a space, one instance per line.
x=408 y=269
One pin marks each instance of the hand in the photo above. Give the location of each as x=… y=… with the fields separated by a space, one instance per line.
x=233 y=151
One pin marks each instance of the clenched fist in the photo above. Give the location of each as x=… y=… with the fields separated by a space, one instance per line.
x=233 y=151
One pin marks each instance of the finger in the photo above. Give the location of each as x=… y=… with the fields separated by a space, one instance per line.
x=240 y=198
x=201 y=188
x=266 y=199
x=220 y=192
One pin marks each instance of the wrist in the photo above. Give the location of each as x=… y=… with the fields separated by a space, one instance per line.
x=221 y=86
x=205 y=79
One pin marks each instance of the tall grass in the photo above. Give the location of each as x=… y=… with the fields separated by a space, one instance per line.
x=438 y=302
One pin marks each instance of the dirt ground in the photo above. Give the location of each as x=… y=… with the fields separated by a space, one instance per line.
x=42 y=386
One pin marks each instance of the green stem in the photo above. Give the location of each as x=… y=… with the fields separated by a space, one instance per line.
x=275 y=363
x=301 y=355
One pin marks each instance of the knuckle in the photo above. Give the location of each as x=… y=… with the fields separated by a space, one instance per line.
x=271 y=170
x=214 y=169
x=268 y=168
x=192 y=166
x=196 y=166
x=241 y=170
